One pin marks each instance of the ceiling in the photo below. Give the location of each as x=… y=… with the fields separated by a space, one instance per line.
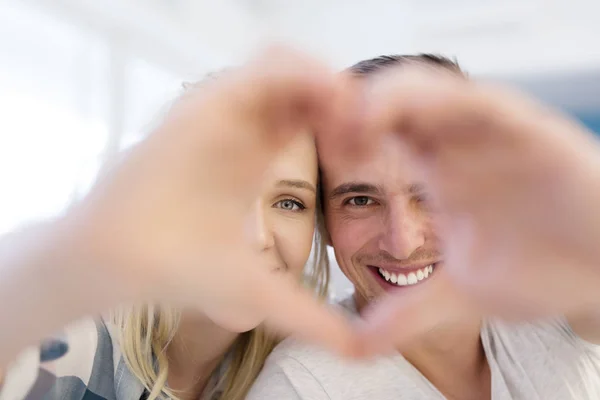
x=547 y=46
x=493 y=36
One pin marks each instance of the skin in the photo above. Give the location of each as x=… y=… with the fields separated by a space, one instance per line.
x=515 y=188
x=513 y=191
x=154 y=227
x=378 y=216
x=497 y=167
x=281 y=227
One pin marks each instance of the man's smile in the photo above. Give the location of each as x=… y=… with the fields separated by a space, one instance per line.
x=406 y=276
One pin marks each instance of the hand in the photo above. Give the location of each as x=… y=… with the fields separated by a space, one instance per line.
x=515 y=187
x=168 y=219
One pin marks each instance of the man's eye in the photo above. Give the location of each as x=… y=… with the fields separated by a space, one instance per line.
x=289 y=205
x=360 y=201
x=422 y=201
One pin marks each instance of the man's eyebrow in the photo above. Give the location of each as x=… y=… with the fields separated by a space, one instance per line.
x=354 y=187
x=297 y=183
x=415 y=188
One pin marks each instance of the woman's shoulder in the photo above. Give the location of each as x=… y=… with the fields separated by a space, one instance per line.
x=87 y=352
x=82 y=359
x=79 y=341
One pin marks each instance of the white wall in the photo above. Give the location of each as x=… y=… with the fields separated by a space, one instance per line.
x=71 y=94
x=489 y=37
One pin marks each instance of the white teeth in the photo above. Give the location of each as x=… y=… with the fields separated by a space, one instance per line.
x=412 y=278
x=402 y=280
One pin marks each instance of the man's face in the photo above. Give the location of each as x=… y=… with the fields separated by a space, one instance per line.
x=379 y=224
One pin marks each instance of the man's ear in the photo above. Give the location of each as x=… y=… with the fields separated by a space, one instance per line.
x=322 y=228
x=321 y=220
x=326 y=236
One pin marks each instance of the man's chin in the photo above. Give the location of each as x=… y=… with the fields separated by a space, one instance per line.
x=375 y=287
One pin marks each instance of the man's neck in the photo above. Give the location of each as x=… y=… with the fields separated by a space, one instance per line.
x=452 y=358
x=196 y=350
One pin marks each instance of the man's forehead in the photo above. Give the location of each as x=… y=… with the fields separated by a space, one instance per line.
x=387 y=168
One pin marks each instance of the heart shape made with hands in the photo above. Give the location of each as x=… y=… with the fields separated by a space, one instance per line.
x=497 y=166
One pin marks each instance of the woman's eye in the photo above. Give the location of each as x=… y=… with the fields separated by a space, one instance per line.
x=290 y=205
x=360 y=201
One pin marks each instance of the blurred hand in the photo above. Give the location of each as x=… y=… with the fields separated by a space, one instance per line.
x=168 y=219
x=515 y=187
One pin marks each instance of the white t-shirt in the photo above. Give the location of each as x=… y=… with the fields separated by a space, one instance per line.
x=529 y=361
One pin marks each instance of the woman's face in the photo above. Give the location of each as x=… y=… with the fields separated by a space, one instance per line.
x=283 y=220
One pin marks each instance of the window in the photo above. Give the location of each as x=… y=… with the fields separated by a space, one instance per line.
x=71 y=96
x=148 y=92
x=52 y=129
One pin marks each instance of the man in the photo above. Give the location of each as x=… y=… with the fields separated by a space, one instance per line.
x=383 y=225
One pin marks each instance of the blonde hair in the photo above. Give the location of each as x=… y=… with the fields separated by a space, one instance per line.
x=146 y=331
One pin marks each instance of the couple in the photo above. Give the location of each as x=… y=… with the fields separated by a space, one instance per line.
x=165 y=223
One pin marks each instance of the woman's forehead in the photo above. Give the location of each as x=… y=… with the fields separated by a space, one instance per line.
x=297 y=160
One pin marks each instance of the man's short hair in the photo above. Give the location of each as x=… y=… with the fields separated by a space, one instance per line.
x=373 y=65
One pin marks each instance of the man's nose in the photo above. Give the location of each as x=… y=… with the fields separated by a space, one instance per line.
x=404 y=230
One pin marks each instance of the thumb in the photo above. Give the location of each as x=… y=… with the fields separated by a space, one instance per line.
x=296 y=311
x=399 y=318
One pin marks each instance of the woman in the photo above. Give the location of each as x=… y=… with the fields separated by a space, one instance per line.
x=154 y=351
x=185 y=354
x=161 y=351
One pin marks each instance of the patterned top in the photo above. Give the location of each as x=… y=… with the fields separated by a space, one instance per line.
x=84 y=363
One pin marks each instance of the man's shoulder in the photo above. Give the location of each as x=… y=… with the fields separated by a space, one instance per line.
x=292 y=350
x=293 y=370
x=309 y=372
x=294 y=357
x=551 y=339
x=543 y=330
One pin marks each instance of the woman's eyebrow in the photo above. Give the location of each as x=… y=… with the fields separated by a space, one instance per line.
x=297 y=183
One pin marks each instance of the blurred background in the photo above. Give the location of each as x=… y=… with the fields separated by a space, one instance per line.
x=82 y=79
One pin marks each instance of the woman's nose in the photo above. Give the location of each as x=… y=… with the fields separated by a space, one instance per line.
x=261 y=232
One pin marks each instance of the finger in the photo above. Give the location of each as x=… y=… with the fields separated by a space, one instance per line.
x=395 y=321
x=416 y=103
x=295 y=311
x=287 y=90
x=392 y=323
x=433 y=107
x=278 y=89
x=341 y=140
x=256 y=294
